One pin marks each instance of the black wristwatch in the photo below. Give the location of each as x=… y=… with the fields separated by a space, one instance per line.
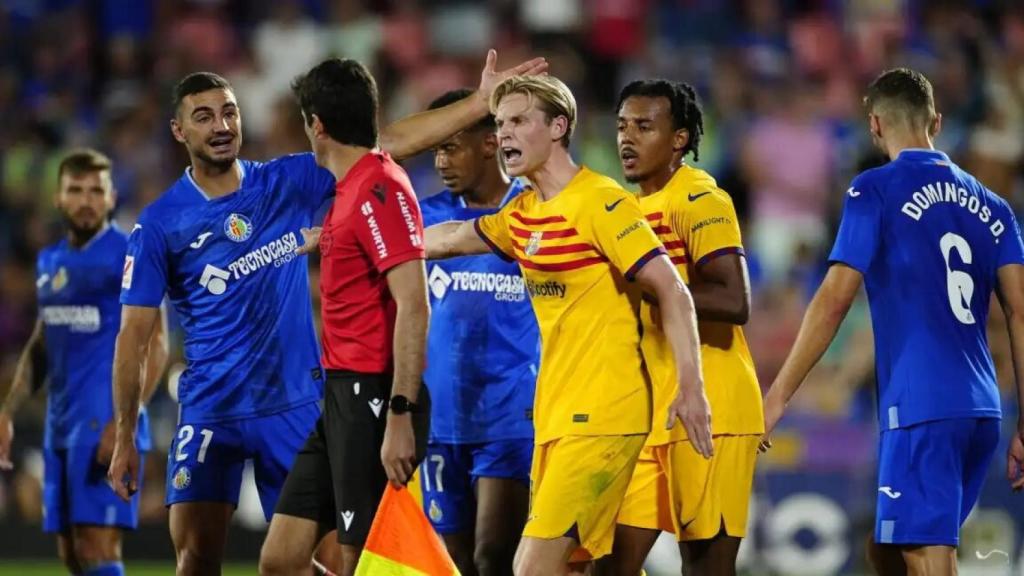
x=400 y=405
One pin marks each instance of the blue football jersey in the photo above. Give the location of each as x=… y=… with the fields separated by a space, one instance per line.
x=77 y=290
x=483 y=347
x=229 y=268
x=928 y=239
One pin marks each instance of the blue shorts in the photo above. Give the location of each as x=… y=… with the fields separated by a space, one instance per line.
x=75 y=491
x=929 y=479
x=205 y=461
x=449 y=472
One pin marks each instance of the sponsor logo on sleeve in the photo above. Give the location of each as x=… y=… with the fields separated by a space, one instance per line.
x=128 y=272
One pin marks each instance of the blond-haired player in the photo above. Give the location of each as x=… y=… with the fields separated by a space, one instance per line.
x=703 y=502
x=580 y=240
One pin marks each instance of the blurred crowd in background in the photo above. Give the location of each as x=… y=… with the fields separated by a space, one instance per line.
x=781 y=83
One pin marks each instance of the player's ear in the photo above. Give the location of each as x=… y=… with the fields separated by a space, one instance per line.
x=558 y=127
x=490 y=145
x=317 y=126
x=875 y=125
x=936 y=126
x=176 y=131
x=680 y=139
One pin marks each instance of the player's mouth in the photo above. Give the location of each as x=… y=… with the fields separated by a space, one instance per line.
x=449 y=180
x=222 y=144
x=629 y=158
x=511 y=155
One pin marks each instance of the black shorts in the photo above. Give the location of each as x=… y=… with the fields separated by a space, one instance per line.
x=338 y=479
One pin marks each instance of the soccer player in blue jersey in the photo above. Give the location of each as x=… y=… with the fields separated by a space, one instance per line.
x=221 y=244
x=482 y=360
x=78 y=284
x=930 y=244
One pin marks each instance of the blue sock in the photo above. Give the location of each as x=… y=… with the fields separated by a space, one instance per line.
x=108 y=569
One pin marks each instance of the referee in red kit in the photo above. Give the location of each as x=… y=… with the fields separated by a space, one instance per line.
x=376 y=415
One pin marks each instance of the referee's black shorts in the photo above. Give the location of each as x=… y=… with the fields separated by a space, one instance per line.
x=338 y=479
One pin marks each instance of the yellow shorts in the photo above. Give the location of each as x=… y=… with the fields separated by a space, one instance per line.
x=576 y=489
x=676 y=490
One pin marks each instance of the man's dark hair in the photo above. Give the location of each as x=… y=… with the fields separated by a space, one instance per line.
x=452 y=96
x=903 y=95
x=83 y=161
x=683 y=105
x=195 y=83
x=343 y=94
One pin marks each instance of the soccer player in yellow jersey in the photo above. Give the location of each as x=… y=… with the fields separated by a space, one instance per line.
x=703 y=502
x=580 y=239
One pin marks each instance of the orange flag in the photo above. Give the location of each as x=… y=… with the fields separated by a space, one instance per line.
x=402 y=542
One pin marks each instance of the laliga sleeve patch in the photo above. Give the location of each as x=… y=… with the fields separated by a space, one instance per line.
x=129 y=271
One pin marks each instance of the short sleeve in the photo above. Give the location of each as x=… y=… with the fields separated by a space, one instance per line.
x=390 y=229
x=144 y=278
x=621 y=233
x=708 y=225
x=1011 y=249
x=860 y=231
x=494 y=231
x=315 y=184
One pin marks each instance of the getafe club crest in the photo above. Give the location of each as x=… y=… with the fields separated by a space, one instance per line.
x=533 y=245
x=238 y=228
x=182 y=478
x=435 y=511
x=60 y=280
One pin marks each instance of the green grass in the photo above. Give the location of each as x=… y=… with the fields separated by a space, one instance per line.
x=28 y=568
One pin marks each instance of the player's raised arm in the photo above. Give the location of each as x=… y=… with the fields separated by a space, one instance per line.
x=422 y=131
x=19 y=389
x=137 y=324
x=820 y=324
x=1010 y=291
x=455 y=238
x=679 y=322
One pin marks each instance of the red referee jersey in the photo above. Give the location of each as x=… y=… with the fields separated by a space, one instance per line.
x=373 y=226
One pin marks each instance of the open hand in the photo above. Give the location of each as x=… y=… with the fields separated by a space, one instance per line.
x=310 y=239
x=692 y=409
x=490 y=78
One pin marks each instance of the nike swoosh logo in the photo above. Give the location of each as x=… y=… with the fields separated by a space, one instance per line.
x=693 y=197
x=610 y=207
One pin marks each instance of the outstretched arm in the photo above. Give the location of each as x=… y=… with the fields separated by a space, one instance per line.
x=821 y=322
x=455 y=238
x=679 y=321
x=419 y=132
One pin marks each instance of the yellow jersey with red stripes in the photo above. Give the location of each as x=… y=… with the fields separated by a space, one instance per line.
x=578 y=251
x=696 y=221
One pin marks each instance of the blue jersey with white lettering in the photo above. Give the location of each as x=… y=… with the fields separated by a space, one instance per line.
x=483 y=346
x=928 y=239
x=77 y=290
x=242 y=295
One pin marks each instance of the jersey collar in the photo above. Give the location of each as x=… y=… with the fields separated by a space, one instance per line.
x=514 y=188
x=195 y=185
x=95 y=237
x=922 y=154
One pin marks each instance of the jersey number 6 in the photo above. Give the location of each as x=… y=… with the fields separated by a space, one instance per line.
x=959 y=284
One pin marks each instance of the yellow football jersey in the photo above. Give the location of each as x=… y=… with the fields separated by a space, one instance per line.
x=578 y=252
x=696 y=222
